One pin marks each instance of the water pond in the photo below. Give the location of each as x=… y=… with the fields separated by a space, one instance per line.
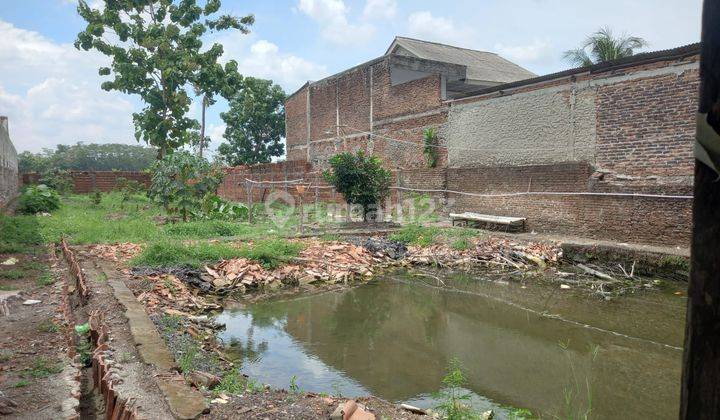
x=532 y=346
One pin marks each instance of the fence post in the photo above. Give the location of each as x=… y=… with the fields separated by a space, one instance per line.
x=399 y=196
x=248 y=192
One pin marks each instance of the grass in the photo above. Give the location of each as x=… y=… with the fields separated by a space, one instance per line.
x=169 y=254
x=18 y=233
x=42 y=368
x=416 y=234
x=83 y=222
x=7 y=288
x=22 y=383
x=13 y=274
x=48 y=326
x=46 y=279
x=5 y=356
x=232 y=383
x=271 y=253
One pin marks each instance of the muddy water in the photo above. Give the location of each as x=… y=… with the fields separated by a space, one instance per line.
x=532 y=346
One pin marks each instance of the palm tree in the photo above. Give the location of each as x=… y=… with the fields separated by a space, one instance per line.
x=603 y=47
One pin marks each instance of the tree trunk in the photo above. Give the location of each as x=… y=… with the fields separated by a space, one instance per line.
x=700 y=392
x=202 y=126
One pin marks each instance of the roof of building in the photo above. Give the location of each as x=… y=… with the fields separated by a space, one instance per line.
x=677 y=53
x=481 y=65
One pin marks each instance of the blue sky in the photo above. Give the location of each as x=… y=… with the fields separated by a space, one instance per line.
x=51 y=92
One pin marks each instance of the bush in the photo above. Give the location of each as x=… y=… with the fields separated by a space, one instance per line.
x=59 y=180
x=180 y=180
x=18 y=233
x=38 y=198
x=360 y=179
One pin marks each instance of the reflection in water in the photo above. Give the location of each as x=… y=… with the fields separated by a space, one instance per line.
x=394 y=339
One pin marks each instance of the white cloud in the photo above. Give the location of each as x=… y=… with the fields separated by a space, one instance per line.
x=263 y=59
x=332 y=17
x=51 y=94
x=380 y=9
x=536 y=52
x=426 y=26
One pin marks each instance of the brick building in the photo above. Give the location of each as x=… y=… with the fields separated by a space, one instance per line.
x=602 y=151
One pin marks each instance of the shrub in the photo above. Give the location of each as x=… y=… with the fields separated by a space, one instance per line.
x=360 y=179
x=214 y=207
x=59 y=180
x=180 y=180
x=431 y=147
x=38 y=198
x=416 y=235
x=18 y=233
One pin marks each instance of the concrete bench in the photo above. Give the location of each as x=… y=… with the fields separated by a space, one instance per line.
x=514 y=224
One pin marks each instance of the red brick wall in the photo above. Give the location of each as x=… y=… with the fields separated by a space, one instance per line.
x=407 y=98
x=663 y=221
x=296 y=125
x=647 y=126
x=86 y=182
x=323 y=109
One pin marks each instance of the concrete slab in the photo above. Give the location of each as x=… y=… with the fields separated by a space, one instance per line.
x=185 y=402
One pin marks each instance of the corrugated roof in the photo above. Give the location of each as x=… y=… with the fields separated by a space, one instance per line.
x=481 y=65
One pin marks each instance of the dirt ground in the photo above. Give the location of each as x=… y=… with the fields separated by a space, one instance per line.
x=35 y=373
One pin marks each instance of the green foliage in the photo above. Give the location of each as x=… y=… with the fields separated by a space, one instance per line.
x=88 y=157
x=157 y=53
x=233 y=383
x=360 y=179
x=294 y=387
x=180 y=180
x=415 y=234
x=22 y=383
x=604 y=46
x=37 y=199
x=96 y=197
x=255 y=124
x=170 y=254
x=214 y=207
x=454 y=403
x=18 y=233
x=13 y=274
x=128 y=188
x=48 y=326
x=42 y=368
x=200 y=229
x=271 y=253
x=46 y=279
x=461 y=244
x=430 y=150
x=58 y=179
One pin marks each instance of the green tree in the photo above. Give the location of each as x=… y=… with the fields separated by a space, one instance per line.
x=603 y=46
x=88 y=157
x=360 y=179
x=255 y=123
x=157 y=53
x=180 y=180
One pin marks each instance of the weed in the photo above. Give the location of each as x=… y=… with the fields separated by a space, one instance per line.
x=7 y=288
x=187 y=362
x=48 y=326
x=329 y=237
x=5 y=356
x=19 y=233
x=253 y=386
x=416 y=235
x=172 y=323
x=125 y=357
x=232 y=383
x=271 y=253
x=461 y=244
x=337 y=391
x=575 y=407
x=454 y=401
x=101 y=276
x=294 y=388
x=13 y=274
x=201 y=229
x=96 y=197
x=519 y=413
x=46 y=279
x=21 y=383
x=163 y=254
x=42 y=368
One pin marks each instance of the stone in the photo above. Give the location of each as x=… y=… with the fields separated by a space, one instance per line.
x=31 y=302
x=201 y=379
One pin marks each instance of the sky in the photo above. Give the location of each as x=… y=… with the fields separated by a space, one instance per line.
x=51 y=92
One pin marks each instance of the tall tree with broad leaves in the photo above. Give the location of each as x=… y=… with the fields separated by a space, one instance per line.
x=255 y=123
x=604 y=46
x=157 y=53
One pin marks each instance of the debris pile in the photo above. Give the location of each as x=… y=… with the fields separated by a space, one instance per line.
x=167 y=292
x=394 y=250
x=320 y=262
x=499 y=253
x=115 y=252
